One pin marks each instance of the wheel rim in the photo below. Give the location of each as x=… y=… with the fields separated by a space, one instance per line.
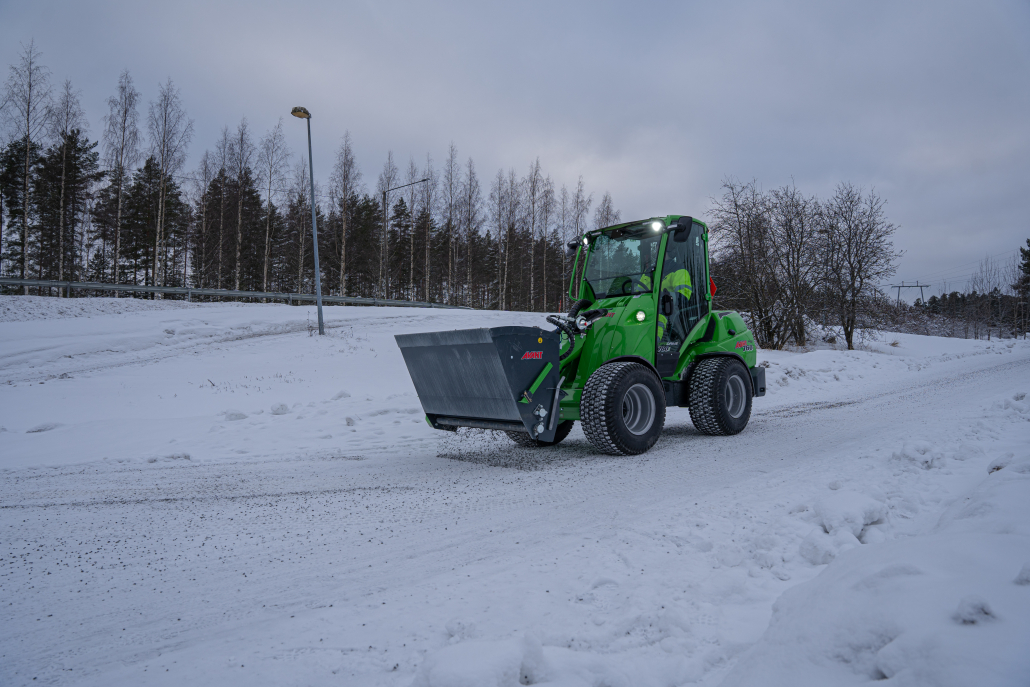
x=736 y=398
x=638 y=409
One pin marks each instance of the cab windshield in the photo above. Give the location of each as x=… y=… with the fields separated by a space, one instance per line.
x=622 y=261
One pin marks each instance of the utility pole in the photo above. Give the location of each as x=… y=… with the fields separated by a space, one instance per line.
x=917 y=285
x=386 y=228
x=304 y=114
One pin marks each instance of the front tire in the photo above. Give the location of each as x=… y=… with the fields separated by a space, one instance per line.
x=623 y=409
x=524 y=440
x=720 y=396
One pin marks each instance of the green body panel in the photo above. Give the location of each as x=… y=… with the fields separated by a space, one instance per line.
x=621 y=336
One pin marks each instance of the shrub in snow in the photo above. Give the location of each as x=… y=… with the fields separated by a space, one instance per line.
x=45 y=427
x=280 y=409
x=1023 y=578
x=483 y=664
x=922 y=454
x=848 y=510
x=973 y=610
x=235 y=415
x=342 y=394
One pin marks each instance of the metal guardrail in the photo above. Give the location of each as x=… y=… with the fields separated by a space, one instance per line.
x=220 y=293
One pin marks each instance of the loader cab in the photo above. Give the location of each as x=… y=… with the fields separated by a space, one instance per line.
x=661 y=262
x=682 y=289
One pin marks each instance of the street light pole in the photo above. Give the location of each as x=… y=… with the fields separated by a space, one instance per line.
x=386 y=230
x=304 y=114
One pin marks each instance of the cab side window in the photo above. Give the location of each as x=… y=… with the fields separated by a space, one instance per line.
x=681 y=300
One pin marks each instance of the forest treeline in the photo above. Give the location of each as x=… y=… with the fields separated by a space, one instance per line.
x=125 y=208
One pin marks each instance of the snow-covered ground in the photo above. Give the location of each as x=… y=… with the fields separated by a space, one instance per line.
x=210 y=494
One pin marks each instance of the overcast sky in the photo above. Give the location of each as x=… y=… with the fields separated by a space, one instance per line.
x=928 y=103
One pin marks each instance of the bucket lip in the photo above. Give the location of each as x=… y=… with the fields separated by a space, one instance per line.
x=487 y=334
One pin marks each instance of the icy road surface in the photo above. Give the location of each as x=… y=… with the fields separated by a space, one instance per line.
x=209 y=494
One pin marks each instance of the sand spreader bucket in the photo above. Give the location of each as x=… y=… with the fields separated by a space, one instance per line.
x=502 y=378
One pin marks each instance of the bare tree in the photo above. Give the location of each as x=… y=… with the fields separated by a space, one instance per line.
x=985 y=289
x=387 y=180
x=451 y=201
x=223 y=154
x=606 y=215
x=121 y=148
x=300 y=191
x=412 y=179
x=742 y=241
x=28 y=107
x=795 y=249
x=860 y=254
x=471 y=219
x=202 y=179
x=242 y=155
x=170 y=134
x=547 y=208
x=533 y=185
x=564 y=219
x=67 y=116
x=429 y=200
x=345 y=180
x=274 y=159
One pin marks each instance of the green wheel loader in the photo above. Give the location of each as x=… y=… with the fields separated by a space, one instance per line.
x=641 y=336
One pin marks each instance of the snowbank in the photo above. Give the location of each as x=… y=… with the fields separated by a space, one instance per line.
x=217 y=492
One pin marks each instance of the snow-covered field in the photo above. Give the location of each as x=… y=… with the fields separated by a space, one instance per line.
x=212 y=495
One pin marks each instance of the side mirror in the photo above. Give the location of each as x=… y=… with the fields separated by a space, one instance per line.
x=682 y=231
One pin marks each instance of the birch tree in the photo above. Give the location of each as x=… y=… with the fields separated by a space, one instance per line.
x=242 y=155
x=345 y=180
x=564 y=219
x=170 y=134
x=122 y=151
x=533 y=188
x=471 y=219
x=606 y=215
x=451 y=200
x=387 y=180
x=66 y=117
x=28 y=109
x=413 y=192
x=547 y=208
x=223 y=153
x=202 y=179
x=428 y=199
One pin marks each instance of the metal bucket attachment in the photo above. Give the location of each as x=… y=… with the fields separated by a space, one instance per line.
x=501 y=378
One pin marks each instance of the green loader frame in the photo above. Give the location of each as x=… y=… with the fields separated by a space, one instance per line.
x=641 y=336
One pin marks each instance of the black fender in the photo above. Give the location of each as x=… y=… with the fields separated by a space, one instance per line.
x=636 y=359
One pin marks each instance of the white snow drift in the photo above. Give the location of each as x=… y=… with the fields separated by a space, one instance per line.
x=213 y=494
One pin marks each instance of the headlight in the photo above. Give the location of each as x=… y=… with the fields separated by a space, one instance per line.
x=641 y=316
x=657 y=226
x=586 y=241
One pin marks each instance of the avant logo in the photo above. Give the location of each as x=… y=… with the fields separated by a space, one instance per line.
x=533 y=355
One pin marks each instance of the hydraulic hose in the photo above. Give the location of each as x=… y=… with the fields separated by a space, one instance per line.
x=567 y=326
x=569 y=332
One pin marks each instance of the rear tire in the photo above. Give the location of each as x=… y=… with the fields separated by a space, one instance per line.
x=720 y=396
x=623 y=409
x=524 y=440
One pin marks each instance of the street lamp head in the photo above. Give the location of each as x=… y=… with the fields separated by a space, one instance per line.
x=301 y=112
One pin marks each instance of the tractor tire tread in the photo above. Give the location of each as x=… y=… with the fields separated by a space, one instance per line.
x=598 y=422
x=704 y=401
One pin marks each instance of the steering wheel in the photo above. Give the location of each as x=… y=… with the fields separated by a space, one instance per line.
x=627 y=286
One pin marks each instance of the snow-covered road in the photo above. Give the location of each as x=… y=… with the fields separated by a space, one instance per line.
x=152 y=535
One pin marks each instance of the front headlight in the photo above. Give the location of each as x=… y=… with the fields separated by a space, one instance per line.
x=641 y=316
